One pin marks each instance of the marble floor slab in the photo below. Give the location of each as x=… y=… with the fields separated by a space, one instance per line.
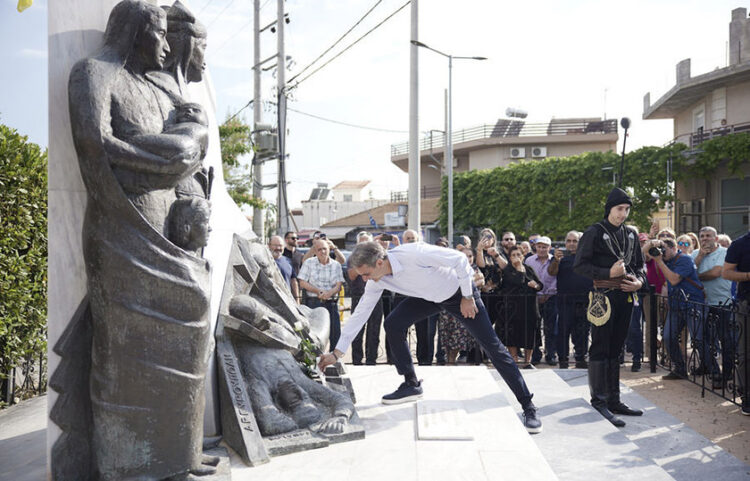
x=501 y=449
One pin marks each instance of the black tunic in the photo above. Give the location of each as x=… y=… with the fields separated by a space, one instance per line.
x=595 y=256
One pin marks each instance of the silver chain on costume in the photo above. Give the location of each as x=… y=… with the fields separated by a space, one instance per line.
x=625 y=252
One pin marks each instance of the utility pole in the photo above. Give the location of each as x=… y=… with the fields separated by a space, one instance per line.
x=415 y=210
x=282 y=213
x=258 y=214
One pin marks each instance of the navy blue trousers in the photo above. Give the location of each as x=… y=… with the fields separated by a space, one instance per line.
x=413 y=309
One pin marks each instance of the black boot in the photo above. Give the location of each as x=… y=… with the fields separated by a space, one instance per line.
x=613 y=391
x=598 y=387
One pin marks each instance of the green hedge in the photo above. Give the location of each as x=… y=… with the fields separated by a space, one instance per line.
x=555 y=195
x=23 y=249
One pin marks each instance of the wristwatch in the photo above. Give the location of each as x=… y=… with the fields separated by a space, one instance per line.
x=468 y=297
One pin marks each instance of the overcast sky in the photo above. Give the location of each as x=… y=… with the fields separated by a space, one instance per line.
x=576 y=58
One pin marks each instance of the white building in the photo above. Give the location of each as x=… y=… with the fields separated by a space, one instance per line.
x=344 y=199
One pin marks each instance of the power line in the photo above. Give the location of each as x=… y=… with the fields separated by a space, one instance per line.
x=347 y=124
x=220 y=13
x=204 y=6
x=351 y=45
x=337 y=41
x=241 y=29
x=248 y=104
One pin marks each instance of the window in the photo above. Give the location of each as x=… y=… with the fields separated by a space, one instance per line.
x=347 y=197
x=735 y=199
x=699 y=119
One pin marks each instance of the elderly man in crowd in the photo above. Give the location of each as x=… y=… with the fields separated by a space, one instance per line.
x=572 y=292
x=709 y=260
x=276 y=246
x=321 y=278
x=737 y=269
x=372 y=327
x=546 y=297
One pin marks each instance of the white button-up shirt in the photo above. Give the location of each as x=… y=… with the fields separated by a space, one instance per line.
x=419 y=270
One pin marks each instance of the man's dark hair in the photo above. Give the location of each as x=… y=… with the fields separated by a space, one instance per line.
x=366 y=253
x=287 y=233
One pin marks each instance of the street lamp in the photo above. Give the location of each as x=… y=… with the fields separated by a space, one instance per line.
x=448 y=154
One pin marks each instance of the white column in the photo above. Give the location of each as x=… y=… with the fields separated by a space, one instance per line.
x=415 y=211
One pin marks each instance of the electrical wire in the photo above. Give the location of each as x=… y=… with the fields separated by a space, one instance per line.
x=347 y=124
x=242 y=29
x=337 y=41
x=350 y=46
x=248 y=104
x=220 y=13
x=204 y=6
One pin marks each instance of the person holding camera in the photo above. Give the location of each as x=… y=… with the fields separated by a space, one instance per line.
x=491 y=262
x=334 y=251
x=686 y=297
x=610 y=255
x=571 y=301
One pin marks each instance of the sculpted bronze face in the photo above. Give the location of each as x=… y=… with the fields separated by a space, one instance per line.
x=197 y=63
x=151 y=46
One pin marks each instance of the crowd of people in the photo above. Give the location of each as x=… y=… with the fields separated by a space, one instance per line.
x=537 y=295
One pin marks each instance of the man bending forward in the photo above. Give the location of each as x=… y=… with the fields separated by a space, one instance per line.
x=434 y=279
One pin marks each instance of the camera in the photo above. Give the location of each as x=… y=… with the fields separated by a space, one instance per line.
x=386 y=237
x=656 y=251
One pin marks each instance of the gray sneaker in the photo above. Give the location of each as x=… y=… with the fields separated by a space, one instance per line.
x=530 y=420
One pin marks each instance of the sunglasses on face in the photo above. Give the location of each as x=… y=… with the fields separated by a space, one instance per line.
x=508 y=240
x=293 y=238
x=683 y=244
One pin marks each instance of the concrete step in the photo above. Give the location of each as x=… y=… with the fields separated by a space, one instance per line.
x=501 y=449
x=682 y=452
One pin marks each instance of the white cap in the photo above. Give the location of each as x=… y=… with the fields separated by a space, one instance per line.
x=544 y=240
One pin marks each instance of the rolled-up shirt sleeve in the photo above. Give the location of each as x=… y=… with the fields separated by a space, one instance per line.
x=360 y=315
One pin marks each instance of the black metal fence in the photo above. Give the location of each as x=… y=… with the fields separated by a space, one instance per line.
x=26 y=380
x=705 y=344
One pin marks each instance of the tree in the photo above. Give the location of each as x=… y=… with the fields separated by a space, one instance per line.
x=556 y=195
x=236 y=141
x=23 y=249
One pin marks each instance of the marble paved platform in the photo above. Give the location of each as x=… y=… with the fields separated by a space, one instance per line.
x=680 y=451
x=501 y=448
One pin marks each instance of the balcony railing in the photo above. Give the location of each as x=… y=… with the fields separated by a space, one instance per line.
x=426 y=192
x=694 y=139
x=510 y=129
